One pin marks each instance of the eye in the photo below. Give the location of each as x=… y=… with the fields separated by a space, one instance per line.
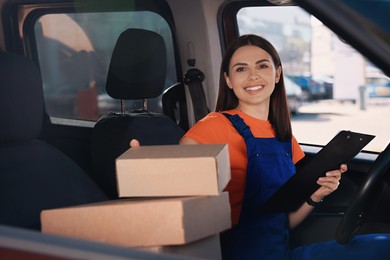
x=239 y=69
x=263 y=66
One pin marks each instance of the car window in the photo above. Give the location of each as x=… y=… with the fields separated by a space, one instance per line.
x=341 y=90
x=74 y=51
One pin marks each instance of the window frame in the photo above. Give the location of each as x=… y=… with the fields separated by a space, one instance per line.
x=19 y=20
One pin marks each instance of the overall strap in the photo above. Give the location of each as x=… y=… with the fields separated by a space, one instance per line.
x=239 y=124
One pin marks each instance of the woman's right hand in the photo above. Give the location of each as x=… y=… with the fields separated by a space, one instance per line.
x=187 y=140
x=134 y=143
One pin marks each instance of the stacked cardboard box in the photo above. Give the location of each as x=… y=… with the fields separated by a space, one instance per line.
x=173 y=170
x=172 y=200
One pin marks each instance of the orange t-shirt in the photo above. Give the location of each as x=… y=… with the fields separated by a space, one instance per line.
x=215 y=128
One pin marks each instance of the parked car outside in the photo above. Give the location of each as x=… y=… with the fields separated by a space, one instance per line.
x=311 y=89
x=294 y=95
x=327 y=83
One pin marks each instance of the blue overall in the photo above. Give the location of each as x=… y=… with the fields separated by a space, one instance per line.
x=270 y=165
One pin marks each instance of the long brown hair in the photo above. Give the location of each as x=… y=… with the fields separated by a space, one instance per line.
x=279 y=114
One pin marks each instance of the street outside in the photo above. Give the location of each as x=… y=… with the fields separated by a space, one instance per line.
x=318 y=122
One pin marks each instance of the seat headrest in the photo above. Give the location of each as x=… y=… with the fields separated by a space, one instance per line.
x=21 y=98
x=138 y=65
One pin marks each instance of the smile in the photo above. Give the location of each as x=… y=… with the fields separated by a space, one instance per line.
x=254 y=88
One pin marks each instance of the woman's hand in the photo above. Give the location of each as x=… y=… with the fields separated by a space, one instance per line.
x=134 y=143
x=329 y=183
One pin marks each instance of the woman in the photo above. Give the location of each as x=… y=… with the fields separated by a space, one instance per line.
x=252 y=92
x=252 y=117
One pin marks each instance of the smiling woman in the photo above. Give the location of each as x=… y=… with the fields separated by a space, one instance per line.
x=252 y=115
x=251 y=105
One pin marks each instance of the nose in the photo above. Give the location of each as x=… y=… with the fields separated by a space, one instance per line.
x=253 y=75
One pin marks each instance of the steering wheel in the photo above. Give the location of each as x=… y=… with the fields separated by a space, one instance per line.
x=361 y=207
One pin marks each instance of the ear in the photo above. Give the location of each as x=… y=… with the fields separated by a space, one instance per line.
x=278 y=72
x=228 y=83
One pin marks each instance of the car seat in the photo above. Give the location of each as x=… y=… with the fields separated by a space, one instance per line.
x=34 y=175
x=137 y=71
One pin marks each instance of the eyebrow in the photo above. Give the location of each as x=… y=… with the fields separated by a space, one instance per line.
x=243 y=64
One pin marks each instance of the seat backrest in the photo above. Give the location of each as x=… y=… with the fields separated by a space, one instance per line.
x=34 y=175
x=138 y=66
x=137 y=71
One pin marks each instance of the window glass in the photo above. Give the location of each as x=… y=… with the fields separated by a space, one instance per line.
x=340 y=89
x=74 y=52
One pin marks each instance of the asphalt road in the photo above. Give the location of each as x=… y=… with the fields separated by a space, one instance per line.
x=317 y=122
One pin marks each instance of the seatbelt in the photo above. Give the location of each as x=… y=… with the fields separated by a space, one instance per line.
x=193 y=79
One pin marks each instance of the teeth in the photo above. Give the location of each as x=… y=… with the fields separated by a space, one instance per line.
x=254 y=88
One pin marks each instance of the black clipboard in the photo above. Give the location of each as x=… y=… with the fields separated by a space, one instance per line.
x=341 y=149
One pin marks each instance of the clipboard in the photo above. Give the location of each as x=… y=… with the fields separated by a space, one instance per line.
x=341 y=149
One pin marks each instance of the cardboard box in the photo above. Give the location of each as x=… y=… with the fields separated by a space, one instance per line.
x=173 y=170
x=142 y=222
x=206 y=248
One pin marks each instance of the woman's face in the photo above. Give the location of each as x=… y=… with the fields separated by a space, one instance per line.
x=252 y=76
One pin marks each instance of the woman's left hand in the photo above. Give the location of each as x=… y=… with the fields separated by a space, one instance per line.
x=329 y=183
